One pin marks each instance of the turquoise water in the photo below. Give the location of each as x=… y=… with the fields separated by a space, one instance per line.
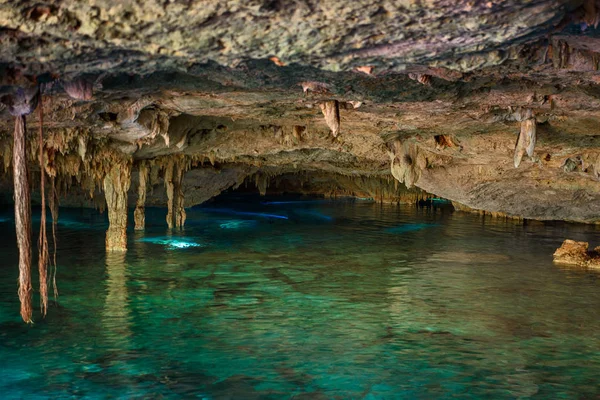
x=281 y=298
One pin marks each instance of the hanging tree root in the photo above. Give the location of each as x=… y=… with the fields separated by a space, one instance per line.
x=53 y=203
x=54 y=211
x=43 y=239
x=22 y=216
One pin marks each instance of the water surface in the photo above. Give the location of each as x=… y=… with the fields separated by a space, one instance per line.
x=282 y=298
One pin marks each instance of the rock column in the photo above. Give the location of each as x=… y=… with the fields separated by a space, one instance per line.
x=139 y=214
x=179 y=212
x=116 y=184
x=175 y=204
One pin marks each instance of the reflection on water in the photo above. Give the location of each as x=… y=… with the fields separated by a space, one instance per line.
x=116 y=318
x=375 y=302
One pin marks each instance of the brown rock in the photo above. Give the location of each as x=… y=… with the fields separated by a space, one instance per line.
x=572 y=252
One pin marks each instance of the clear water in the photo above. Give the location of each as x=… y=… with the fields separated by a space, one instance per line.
x=315 y=300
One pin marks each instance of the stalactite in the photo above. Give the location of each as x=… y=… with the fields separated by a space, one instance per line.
x=169 y=187
x=407 y=162
x=79 y=89
x=173 y=177
x=331 y=111
x=262 y=182
x=116 y=184
x=179 y=212
x=22 y=216
x=43 y=239
x=527 y=138
x=139 y=213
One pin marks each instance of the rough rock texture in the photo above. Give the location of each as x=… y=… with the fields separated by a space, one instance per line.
x=576 y=253
x=116 y=185
x=139 y=214
x=434 y=94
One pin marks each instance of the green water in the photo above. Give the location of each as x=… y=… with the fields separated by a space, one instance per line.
x=317 y=300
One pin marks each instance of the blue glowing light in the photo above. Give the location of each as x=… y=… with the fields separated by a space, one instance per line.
x=237 y=224
x=174 y=243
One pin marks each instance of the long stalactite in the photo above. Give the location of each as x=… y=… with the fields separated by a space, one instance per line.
x=174 y=171
x=116 y=184
x=139 y=215
x=179 y=213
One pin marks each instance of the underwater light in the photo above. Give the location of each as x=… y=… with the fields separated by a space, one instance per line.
x=236 y=224
x=182 y=245
x=171 y=242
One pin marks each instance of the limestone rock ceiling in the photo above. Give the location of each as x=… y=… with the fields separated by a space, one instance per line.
x=433 y=93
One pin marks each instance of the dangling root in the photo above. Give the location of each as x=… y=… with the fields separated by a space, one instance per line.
x=43 y=239
x=22 y=217
x=54 y=211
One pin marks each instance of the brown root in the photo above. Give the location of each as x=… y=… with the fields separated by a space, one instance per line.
x=22 y=216
x=54 y=211
x=43 y=239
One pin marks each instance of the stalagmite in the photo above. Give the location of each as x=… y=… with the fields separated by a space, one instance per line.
x=527 y=138
x=116 y=184
x=331 y=111
x=139 y=213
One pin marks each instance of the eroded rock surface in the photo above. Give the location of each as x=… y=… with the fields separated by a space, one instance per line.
x=494 y=105
x=576 y=253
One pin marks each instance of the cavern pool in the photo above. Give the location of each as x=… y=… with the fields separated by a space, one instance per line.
x=292 y=297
